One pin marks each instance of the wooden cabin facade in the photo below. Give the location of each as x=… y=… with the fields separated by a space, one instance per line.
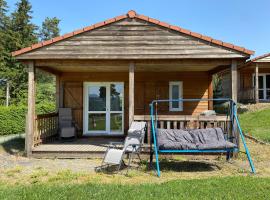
x=255 y=80
x=110 y=72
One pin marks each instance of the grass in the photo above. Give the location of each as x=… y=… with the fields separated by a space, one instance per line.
x=257 y=123
x=214 y=188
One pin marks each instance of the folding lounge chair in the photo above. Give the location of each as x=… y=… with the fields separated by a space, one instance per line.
x=67 y=127
x=132 y=146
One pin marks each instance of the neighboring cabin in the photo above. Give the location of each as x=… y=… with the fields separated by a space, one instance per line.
x=110 y=72
x=255 y=72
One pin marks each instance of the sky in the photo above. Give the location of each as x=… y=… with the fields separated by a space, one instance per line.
x=241 y=22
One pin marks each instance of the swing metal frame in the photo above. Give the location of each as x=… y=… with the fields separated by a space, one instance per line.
x=234 y=123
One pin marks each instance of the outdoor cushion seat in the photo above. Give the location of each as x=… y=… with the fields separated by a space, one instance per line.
x=194 y=139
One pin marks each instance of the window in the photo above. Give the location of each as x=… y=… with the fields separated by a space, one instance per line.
x=264 y=86
x=176 y=92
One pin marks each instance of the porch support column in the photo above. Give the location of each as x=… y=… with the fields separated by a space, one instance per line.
x=57 y=92
x=257 y=83
x=234 y=80
x=30 y=119
x=210 y=91
x=131 y=92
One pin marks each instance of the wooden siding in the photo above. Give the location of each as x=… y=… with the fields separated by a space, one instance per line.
x=131 y=39
x=148 y=86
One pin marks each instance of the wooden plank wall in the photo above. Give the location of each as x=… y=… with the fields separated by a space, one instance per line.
x=131 y=39
x=246 y=77
x=148 y=86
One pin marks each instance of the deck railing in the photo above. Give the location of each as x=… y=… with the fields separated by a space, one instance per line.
x=184 y=122
x=46 y=128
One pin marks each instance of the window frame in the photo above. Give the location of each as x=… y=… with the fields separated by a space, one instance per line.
x=180 y=86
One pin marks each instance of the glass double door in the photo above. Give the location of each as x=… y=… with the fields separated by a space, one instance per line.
x=264 y=86
x=103 y=108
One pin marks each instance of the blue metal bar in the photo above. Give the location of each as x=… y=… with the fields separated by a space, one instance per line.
x=154 y=138
x=244 y=141
x=177 y=100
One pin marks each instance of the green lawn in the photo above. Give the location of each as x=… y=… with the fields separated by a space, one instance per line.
x=257 y=124
x=215 y=188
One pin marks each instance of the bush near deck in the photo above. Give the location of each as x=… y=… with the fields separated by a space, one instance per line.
x=12 y=118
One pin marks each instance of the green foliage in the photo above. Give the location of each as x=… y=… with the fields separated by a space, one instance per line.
x=49 y=28
x=17 y=31
x=212 y=188
x=12 y=118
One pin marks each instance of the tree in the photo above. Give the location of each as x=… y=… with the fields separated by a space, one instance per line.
x=49 y=28
x=22 y=25
x=3 y=14
x=20 y=32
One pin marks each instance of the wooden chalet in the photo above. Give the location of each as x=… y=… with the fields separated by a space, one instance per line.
x=109 y=72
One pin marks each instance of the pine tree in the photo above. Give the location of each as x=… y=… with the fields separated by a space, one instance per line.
x=22 y=25
x=20 y=32
x=50 y=28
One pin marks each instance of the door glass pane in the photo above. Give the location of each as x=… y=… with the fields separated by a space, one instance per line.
x=267 y=94
x=116 y=122
x=97 y=122
x=116 y=97
x=97 y=98
x=260 y=82
x=175 y=95
x=261 y=94
x=267 y=81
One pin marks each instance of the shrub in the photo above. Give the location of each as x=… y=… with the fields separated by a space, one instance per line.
x=12 y=118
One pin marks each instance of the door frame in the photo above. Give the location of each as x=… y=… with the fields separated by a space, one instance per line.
x=108 y=112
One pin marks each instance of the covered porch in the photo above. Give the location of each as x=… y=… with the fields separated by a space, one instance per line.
x=143 y=81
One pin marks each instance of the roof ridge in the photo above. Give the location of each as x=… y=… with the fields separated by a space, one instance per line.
x=133 y=14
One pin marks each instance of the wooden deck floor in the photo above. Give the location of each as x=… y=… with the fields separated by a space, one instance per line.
x=83 y=147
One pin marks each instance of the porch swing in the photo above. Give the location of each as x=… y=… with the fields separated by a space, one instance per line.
x=197 y=141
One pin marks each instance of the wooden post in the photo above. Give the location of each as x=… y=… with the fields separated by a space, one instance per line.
x=131 y=92
x=30 y=122
x=57 y=92
x=210 y=91
x=257 y=83
x=61 y=94
x=234 y=80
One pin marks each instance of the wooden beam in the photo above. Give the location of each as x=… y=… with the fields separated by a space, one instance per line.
x=61 y=93
x=257 y=83
x=234 y=80
x=131 y=92
x=210 y=91
x=30 y=122
x=57 y=92
x=50 y=70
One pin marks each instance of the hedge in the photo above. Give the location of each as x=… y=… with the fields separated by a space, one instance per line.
x=12 y=118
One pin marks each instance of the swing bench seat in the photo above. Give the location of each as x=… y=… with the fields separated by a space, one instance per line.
x=209 y=140
x=194 y=139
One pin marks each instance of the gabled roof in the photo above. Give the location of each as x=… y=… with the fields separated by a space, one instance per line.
x=260 y=57
x=133 y=14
